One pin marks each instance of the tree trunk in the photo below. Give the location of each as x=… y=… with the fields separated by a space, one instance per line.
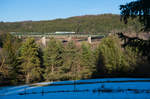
x=52 y=69
x=27 y=78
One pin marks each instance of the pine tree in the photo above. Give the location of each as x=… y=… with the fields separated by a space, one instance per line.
x=30 y=61
x=87 y=60
x=71 y=66
x=110 y=55
x=138 y=8
x=114 y=59
x=53 y=60
x=132 y=58
x=9 y=61
x=4 y=72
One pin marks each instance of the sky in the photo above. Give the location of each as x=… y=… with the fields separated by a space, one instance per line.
x=36 y=10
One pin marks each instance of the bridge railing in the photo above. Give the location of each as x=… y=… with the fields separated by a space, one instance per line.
x=37 y=34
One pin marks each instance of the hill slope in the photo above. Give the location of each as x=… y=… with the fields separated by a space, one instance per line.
x=86 y=24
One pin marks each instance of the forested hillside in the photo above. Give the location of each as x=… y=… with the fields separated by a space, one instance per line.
x=104 y=23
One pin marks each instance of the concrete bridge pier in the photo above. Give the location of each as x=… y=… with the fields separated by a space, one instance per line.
x=89 y=39
x=44 y=41
x=69 y=38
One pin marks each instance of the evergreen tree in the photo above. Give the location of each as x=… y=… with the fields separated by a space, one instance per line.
x=140 y=9
x=87 y=60
x=4 y=72
x=110 y=55
x=113 y=59
x=71 y=66
x=9 y=61
x=53 y=60
x=30 y=61
x=132 y=58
